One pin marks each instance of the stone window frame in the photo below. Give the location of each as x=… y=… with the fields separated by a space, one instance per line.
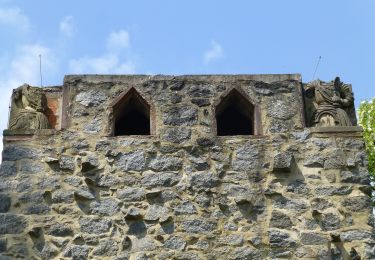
x=110 y=129
x=257 y=123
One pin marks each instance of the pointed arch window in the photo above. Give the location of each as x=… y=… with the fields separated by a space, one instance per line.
x=235 y=115
x=131 y=115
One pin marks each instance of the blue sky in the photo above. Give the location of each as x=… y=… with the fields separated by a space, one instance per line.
x=186 y=37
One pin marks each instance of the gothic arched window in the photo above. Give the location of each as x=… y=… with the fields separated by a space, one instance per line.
x=234 y=115
x=131 y=115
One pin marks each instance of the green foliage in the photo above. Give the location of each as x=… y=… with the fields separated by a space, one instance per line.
x=366 y=114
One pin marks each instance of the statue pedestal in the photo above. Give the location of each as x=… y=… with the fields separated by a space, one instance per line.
x=352 y=131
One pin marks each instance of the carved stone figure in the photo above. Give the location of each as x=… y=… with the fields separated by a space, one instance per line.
x=330 y=101
x=28 y=107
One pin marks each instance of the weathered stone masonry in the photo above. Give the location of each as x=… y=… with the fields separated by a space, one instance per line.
x=289 y=190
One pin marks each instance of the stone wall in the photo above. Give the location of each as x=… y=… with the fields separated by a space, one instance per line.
x=289 y=192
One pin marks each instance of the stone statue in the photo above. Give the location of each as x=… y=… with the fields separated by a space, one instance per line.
x=28 y=109
x=330 y=101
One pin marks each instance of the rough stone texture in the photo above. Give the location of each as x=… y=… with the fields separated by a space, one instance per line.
x=183 y=192
x=280 y=220
x=12 y=224
x=244 y=253
x=67 y=163
x=185 y=208
x=91 y=98
x=60 y=230
x=330 y=221
x=3 y=245
x=106 y=247
x=198 y=226
x=357 y=203
x=155 y=212
x=94 y=226
x=177 y=135
x=281 y=110
x=354 y=177
x=278 y=238
x=15 y=152
x=246 y=157
x=166 y=163
x=333 y=191
x=8 y=168
x=175 y=243
x=5 y=201
x=77 y=252
x=180 y=116
x=30 y=167
x=106 y=207
x=203 y=180
x=164 y=179
x=313 y=239
x=134 y=161
x=93 y=127
x=357 y=235
x=131 y=194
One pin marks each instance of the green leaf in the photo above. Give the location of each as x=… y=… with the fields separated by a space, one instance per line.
x=366 y=113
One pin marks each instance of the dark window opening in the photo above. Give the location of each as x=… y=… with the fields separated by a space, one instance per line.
x=132 y=115
x=235 y=115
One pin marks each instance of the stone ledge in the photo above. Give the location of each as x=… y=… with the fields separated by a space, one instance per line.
x=138 y=137
x=336 y=129
x=240 y=137
x=339 y=131
x=28 y=132
x=97 y=78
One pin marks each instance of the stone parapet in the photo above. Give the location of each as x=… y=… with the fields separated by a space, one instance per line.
x=283 y=191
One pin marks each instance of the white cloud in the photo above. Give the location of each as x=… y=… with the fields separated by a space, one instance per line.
x=13 y=17
x=106 y=64
x=25 y=65
x=93 y=65
x=112 y=61
x=67 y=26
x=24 y=68
x=215 y=52
x=118 y=41
x=127 y=67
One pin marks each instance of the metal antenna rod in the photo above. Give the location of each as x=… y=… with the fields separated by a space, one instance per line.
x=10 y=107
x=316 y=68
x=40 y=70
